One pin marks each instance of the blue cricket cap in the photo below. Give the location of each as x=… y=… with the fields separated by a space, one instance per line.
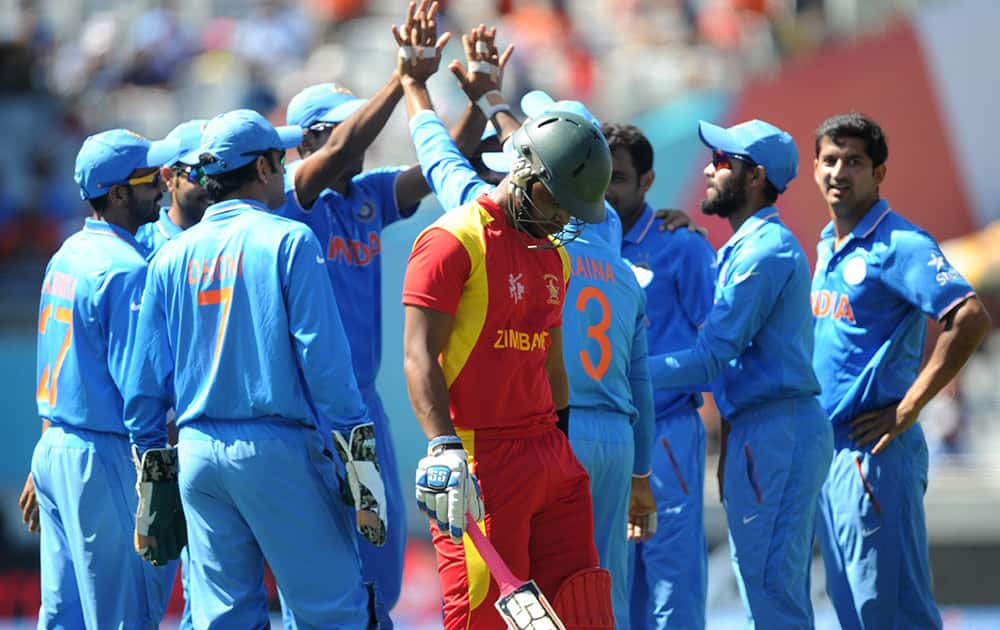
x=326 y=102
x=762 y=142
x=189 y=135
x=109 y=157
x=236 y=138
x=534 y=104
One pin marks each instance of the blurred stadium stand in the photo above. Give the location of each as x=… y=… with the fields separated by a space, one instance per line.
x=69 y=68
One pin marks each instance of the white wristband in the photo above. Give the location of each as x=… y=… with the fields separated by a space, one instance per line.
x=491 y=109
x=483 y=67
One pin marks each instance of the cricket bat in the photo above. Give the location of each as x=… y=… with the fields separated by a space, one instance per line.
x=521 y=604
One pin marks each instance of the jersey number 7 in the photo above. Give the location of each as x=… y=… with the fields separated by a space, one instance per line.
x=48 y=384
x=597 y=332
x=225 y=298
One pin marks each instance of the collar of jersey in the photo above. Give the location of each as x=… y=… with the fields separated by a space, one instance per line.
x=753 y=222
x=96 y=226
x=866 y=225
x=232 y=206
x=166 y=226
x=641 y=226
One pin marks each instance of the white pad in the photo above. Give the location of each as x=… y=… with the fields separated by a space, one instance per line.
x=483 y=67
x=482 y=48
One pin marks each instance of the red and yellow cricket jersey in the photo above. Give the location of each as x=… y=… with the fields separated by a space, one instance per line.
x=504 y=297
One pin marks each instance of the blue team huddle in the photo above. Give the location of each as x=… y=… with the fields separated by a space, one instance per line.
x=206 y=369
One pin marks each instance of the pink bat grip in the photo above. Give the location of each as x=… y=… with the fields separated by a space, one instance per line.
x=507 y=580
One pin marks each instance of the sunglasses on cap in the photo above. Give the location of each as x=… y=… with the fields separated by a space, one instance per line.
x=721 y=159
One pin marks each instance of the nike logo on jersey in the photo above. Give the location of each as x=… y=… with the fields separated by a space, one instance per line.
x=747 y=519
x=865 y=533
x=135 y=306
x=320 y=260
x=740 y=277
x=823 y=305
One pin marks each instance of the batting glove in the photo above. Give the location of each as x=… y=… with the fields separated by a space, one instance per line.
x=160 y=528
x=365 y=481
x=446 y=490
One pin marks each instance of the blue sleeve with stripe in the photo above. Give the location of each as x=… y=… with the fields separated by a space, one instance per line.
x=642 y=394
x=919 y=273
x=448 y=172
x=321 y=346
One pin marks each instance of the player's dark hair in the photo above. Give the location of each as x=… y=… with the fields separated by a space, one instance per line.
x=99 y=204
x=632 y=140
x=855 y=125
x=770 y=192
x=222 y=185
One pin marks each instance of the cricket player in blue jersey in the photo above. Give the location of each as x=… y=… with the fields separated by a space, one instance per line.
x=348 y=208
x=877 y=278
x=755 y=349
x=81 y=471
x=669 y=575
x=188 y=199
x=242 y=338
x=604 y=340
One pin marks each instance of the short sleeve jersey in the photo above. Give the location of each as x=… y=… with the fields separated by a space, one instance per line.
x=349 y=228
x=870 y=298
x=504 y=297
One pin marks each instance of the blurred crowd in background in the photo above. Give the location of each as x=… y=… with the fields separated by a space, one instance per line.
x=68 y=69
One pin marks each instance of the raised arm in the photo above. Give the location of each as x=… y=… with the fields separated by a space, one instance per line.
x=352 y=137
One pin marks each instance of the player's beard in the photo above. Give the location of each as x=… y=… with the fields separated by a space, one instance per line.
x=728 y=200
x=143 y=211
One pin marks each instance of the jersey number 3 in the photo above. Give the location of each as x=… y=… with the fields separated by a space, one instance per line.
x=598 y=332
x=48 y=384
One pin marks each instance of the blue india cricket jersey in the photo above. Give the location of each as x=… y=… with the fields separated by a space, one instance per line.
x=756 y=344
x=605 y=314
x=87 y=320
x=238 y=322
x=349 y=228
x=677 y=271
x=869 y=298
x=152 y=236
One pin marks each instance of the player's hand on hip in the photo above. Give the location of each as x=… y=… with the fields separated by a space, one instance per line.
x=883 y=425
x=676 y=219
x=446 y=489
x=160 y=528
x=419 y=45
x=641 y=510
x=364 y=479
x=29 y=505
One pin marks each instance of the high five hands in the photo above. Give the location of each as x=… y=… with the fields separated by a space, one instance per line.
x=484 y=67
x=419 y=45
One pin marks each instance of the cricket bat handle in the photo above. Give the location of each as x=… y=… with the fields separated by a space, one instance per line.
x=501 y=572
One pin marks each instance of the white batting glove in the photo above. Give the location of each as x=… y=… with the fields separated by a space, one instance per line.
x=446 y=490
x=365 y=481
